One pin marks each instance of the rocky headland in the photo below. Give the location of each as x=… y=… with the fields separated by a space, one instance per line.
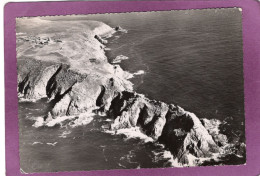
x=65 y=61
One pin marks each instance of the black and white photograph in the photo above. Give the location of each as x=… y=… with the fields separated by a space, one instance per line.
x=135 y=90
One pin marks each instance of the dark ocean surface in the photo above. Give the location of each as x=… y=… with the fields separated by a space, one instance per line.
x=192 y=58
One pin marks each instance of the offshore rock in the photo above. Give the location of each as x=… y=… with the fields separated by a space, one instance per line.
x=117 y=28
x=120 y=29
x=100 y=39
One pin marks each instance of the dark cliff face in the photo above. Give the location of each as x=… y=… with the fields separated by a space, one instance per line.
x=131 y=109
x=72 y=93
x=181 y=131
x=33 y=76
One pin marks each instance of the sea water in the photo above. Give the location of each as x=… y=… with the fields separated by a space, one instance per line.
x=191 y=58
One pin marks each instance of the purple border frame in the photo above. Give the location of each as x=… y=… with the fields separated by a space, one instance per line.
x=251 y=42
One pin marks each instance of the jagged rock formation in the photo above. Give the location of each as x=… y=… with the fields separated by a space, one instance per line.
x=130 y=109
x=30 y=85
x=64 y=71
x=74 y=74
x=181 y=131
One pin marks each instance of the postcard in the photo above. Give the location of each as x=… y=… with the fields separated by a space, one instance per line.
x=136 y=88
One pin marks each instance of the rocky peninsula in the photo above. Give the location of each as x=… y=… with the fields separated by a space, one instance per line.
x=65 y=61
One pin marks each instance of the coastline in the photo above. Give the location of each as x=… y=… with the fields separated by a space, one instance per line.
x=105 y=90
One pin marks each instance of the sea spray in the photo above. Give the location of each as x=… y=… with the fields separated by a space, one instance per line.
x=167 y=157
x=139 y=72
x=39 y=122
x=64 y=134
x=119 y=58
x=83 y=119
x=73 y=121
x=131 y=133
x=35 y=143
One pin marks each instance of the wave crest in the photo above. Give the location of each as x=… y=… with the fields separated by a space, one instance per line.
x=131 y=133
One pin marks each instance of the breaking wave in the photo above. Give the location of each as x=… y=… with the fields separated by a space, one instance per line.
x=139 y=72
x=165 y=155
x=119 y=58
x=131 y=133
x=72 y=121
x=64 y=134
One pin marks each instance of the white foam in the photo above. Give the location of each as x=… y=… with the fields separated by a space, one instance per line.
x=102 y=114
x=107 y=49
x=22 y=171
x=173 y=161
x=103 y=30
x=130 y=133
x=119 y=58
x=52 y=144
x=120 y=74
x=58 y=120
x=64 y=134
x=239 y=156
x=138 y=167
x=123 y=30
x=166 y=155
x=37 y=143
x=195 y=161
x=119 y=164
x=27 y=100
x=139 y=72
x=84 y=119
x=20 y=33
x=39 y=122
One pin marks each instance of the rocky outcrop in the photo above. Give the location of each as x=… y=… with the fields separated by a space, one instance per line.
x=213 y=128
x=182 y=132
x=100 y=39
x=185 y=135
x=130 y=109
x=120 y=29
x=117 y=28
x=33 y=77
